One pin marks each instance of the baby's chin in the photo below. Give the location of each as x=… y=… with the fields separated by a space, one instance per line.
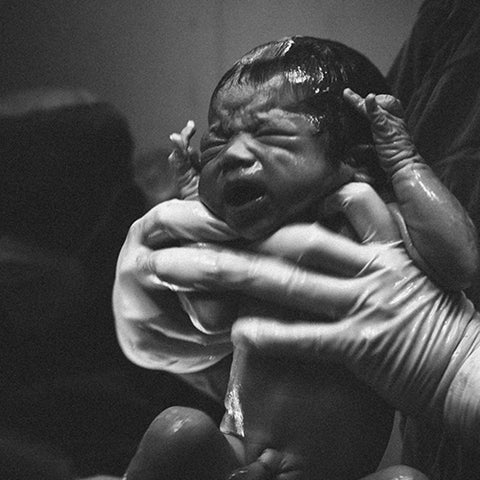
x=261 y=219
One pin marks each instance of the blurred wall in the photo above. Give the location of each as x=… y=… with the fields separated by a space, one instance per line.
x=158 y=60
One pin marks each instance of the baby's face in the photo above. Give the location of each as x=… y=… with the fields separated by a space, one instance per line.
x=263 y=165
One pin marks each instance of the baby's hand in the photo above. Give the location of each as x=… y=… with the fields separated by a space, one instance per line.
x=393 y=142
x=182 y=161
x=436 y=230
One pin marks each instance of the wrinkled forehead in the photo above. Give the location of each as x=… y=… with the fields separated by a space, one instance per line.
x=273 y=99
x=236 y=97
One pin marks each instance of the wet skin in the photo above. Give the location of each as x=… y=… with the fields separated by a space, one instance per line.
x=263 y=164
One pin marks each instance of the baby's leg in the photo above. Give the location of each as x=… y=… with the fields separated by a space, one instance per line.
x=399 y=472
x=182 y=444
x=270 y=465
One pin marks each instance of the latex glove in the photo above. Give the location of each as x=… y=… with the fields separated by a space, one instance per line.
x=416 y=345
x=152 y=328
x=438 y=232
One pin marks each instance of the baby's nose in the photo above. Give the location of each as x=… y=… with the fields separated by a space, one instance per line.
x=238 y=155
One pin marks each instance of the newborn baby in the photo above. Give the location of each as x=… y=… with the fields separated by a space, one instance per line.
x=284 y=134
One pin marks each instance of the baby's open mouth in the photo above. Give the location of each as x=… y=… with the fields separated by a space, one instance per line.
x=241 y=192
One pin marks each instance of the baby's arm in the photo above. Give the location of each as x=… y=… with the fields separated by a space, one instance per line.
x=211 y=313
x=440 y=235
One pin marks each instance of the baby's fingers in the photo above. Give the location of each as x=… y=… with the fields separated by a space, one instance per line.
x=187 y=132
x=384 y=111
x=386 y=102
x=181 y=141
x=372 y=105
x=355 y=100
x=185 y=136
x=380 y=119
x=383 y=123
x=178 y=144
x=183 y=160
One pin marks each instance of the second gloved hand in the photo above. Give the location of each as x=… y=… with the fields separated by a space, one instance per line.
x=416 y=345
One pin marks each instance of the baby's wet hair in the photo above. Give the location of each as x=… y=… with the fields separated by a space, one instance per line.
x=316 y=71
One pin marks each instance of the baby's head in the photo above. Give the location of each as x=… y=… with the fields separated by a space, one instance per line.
x=281 y=137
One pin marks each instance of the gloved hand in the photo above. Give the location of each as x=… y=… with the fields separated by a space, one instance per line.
x=437 y=231
x=416 y=345
x=152 y=328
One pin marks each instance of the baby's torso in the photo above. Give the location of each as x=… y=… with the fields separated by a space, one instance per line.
x=325 y=423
